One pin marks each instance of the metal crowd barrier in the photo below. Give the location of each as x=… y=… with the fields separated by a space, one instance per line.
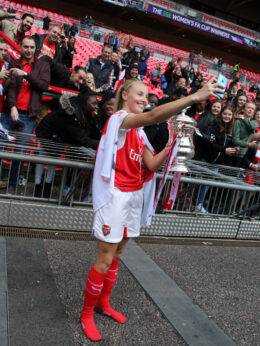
x=230 y=197
x=221 y=190
x=71 y=163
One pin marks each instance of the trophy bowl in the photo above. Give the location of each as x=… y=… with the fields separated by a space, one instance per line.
x=186 y=150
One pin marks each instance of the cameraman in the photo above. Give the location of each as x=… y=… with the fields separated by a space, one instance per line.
x=66 y=57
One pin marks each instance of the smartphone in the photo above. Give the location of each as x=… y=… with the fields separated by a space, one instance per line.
x=20 y=123
x=222 y=80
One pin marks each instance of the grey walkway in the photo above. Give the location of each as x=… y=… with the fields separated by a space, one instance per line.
x=46 y=282
x=36 y=313
x=4 y=333
x=195 y=327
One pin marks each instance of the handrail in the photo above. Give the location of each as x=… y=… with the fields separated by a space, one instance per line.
x=46 y=160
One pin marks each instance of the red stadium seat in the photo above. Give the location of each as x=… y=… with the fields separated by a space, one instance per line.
x=87 y=48
x=230 y=26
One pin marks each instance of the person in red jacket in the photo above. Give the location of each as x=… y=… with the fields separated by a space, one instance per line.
x=29 y=78
x=4 y=73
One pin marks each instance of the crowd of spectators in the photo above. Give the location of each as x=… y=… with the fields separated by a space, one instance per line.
x=228 y=129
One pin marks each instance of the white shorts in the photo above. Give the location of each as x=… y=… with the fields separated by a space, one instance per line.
x=119 y=218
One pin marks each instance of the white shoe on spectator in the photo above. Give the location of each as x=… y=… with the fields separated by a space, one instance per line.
x=199 y=208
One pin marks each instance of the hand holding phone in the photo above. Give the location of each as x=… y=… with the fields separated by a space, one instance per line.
x=20 y=123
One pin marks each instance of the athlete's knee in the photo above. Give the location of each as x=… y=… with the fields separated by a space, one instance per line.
x=105 y=255
x=103 y=267
x=104 y=262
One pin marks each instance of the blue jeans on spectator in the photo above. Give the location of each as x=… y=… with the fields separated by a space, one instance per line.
x=26 y=125
x=204 y=188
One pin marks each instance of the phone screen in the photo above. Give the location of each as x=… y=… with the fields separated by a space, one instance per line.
x=222 y=80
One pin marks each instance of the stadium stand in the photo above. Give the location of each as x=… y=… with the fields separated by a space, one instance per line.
x=211 y=20
x=59 y=18
x=39 y=13
x=163 y=3
x=161 y=48
x=229 y=26
x=87 y=48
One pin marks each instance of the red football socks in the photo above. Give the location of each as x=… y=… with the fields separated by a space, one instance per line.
x=103 y=301
x=93 y=290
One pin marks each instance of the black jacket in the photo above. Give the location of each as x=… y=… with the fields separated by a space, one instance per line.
x=101 y=74
x=60 y=76
x=216 y=144
x=116 y=72
x=158 y=135
x=204 y=123
x=39 y=42
x=66 y=56
x=64 y=125
x=127 y=59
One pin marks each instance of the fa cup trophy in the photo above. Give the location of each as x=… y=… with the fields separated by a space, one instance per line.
x=185 y=126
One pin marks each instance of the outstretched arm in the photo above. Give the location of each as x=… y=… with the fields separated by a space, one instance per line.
x=164 y=112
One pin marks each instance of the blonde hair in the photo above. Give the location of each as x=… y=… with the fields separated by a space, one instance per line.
x=125 y=87
x=93 y=86
x=251 y=102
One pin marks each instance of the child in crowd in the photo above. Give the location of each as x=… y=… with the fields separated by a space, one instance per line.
x=90 y=82
x=142 y=67
x=156 y=74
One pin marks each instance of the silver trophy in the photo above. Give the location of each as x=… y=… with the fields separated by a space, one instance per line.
x=185 y=126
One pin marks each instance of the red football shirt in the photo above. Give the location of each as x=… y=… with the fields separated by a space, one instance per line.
x=23 y=99
x=19 y=36
x=47 y=49
x=129 y=173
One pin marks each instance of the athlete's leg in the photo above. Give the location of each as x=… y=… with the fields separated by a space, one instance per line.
x=105 y=254
x=120 y=248
x=110 y=277
x=94 y=285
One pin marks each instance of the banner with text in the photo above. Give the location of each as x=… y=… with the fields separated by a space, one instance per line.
x=154 y=9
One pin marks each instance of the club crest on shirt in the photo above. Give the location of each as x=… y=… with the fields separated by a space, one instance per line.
x=106 y=230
